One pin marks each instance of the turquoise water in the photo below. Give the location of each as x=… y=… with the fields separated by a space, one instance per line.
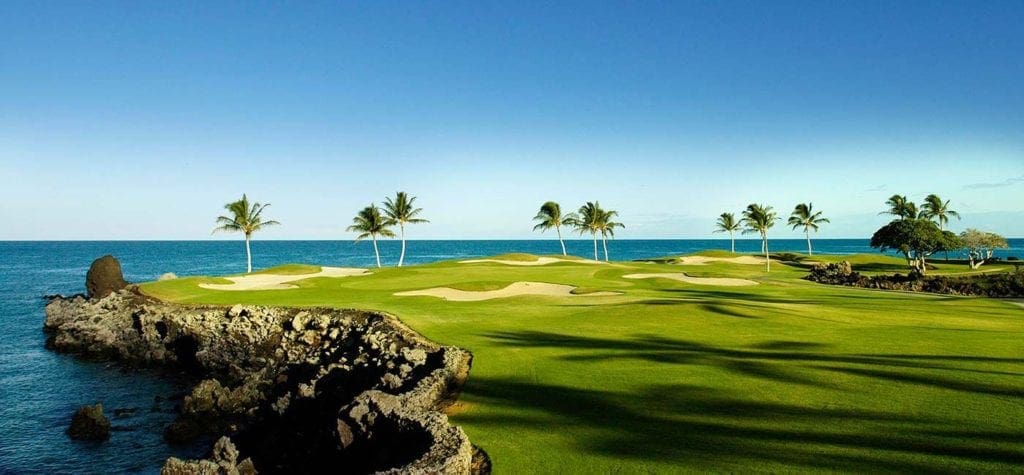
x=39 y=389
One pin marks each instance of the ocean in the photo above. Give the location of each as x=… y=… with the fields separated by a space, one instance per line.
x=39 y=389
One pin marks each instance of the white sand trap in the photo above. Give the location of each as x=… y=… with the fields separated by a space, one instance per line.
x=513 y=290
x=704 y=260
x=720 y=281
x=278 y=281
x=539 y=262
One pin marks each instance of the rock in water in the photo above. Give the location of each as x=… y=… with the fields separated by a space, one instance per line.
x=89 y=423
x=104 y=277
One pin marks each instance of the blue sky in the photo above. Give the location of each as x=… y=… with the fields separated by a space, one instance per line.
x=138 y=120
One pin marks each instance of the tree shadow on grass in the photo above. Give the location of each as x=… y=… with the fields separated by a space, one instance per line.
x=784 y=361
x=708 y=429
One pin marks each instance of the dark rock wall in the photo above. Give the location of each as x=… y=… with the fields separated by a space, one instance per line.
x=293 y=390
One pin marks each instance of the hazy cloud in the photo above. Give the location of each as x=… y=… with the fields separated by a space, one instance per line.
x=998 y=184
x=877 y=188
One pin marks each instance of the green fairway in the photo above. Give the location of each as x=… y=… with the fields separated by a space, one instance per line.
x=668 y=375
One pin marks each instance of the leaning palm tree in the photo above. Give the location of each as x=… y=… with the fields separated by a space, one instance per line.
x=727 y=224
x=246 y=219
x=401 y=211
x=550 y=216
x=588 y=219
x=804 y=215
x=607 y=227
x=934 y=208
x=759 y=219
x=900 y=207
x=370 y=224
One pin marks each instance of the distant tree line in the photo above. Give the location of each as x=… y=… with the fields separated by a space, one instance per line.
x=916 y=232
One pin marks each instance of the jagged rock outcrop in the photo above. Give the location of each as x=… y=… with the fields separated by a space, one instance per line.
x=104 y=277
x=223 y=461
x=89 y=423
x=835 y=273
x=292 y=389
x=997 y=285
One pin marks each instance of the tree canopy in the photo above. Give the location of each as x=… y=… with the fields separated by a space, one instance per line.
x=916 y=239
x=980 y=245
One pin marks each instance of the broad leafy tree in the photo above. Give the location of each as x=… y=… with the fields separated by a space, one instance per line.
x=550 y=216
x=916 y=239
x=980 y=245
x=401 y=211
x=804 y=216
x=245 y=218
x=370 y=223
x=759 y=219
x=727 y=223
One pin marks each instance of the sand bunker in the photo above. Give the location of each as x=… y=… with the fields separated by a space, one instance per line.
x=721 y=281
x=704 y=260
x=539 y=262
x=513 y=290
x=280 y=282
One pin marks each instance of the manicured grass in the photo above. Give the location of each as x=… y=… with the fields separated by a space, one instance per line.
x=668 y=376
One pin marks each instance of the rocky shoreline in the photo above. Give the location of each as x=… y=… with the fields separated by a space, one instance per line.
x=287 y=389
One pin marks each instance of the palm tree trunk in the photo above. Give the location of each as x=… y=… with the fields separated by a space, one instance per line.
x=248 y=256
x=595 y=245
x=767 y=258
x=604 y=242
x=558 y=229
x=375 y=251
x=808 y=233
x=941 y=226
x=401 y=257
x=732 y=242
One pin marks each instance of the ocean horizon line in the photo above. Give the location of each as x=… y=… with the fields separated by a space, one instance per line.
x=754 y=239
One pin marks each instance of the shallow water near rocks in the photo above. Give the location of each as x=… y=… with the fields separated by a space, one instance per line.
x=40 y=389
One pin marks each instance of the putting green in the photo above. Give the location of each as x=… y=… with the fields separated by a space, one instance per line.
x=671 y=376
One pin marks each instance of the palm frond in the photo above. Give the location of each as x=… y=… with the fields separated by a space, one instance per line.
x=244 y=218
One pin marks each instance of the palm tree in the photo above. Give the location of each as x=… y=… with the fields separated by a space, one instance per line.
x=370 y=223
x=401 y=211
x=901 y=207
x=246 y=219
x=550 y=216
x=727 y=224
x=759 y=219
x=804 y=215
x=607 y=227
x=934 y=208
x=588 y=219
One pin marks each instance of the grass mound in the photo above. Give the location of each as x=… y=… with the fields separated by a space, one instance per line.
x=515 y=256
